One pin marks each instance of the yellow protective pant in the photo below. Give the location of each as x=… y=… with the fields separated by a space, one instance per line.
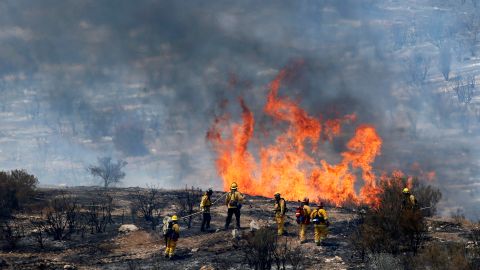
x=321 y=232
x=280 y=219
x=170 y=250
x=303 y=231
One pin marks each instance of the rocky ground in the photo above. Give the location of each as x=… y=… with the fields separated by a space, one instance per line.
x=218 y=249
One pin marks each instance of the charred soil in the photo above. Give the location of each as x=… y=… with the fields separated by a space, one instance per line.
x=86 y=248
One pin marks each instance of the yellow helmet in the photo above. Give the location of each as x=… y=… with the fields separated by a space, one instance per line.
x=234 y=185
x=174 y=218
x=405 y=191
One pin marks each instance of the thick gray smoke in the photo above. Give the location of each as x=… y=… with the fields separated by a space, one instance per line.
x=143 y=80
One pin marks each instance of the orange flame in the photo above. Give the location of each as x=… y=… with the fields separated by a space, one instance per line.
x=291 y=165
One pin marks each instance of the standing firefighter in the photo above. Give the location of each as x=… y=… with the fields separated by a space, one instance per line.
x=409 y=201
x=280 y=209
x=303 y=218
x=320 y=223
x=172 y=233
x=234 y=203
x=205 y=205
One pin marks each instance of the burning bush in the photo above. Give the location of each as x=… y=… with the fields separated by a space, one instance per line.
x=16 y=188
x=391 y=229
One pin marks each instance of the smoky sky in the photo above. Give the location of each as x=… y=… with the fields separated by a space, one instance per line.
x=142 y=81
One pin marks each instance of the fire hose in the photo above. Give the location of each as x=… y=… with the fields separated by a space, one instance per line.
x=199 y=212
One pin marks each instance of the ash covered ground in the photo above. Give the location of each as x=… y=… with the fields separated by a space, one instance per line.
x=143 y=249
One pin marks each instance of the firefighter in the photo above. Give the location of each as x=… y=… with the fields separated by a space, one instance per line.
x=279 y=208
x=205 y=205
x=234 y=203
x=320 y=223
x=409 y=201
x=303 y=218
x=172 y=236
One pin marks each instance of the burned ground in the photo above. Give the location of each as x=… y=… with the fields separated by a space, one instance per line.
x=143 y=249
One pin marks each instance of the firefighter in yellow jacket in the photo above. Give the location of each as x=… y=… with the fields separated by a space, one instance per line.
x=306 y=221
x=234 y=204
x=320 y=222
x=205 y=205
x=409 y=201
x=279 y=209
x=172 y=237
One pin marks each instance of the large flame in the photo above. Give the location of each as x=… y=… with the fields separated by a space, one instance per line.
x=290 y=165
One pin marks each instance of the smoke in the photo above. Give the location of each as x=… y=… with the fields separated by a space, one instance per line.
x=143 y=81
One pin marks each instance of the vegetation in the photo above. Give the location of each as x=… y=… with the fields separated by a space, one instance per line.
x=264 y=249
x=11 y=232
x=109 y=172
x=445 y=61
x=188 y=200
x=61 y=217
x=444 y=256
x=16 y=189
x=391 y=229
x=99 y=214
x=148 y=203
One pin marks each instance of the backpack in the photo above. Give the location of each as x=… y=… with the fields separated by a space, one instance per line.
x=167 y=227
x=174 y=235
x=233 y=202
x=300 y=215
x=318 y=219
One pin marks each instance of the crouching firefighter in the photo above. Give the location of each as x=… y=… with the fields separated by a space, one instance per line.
x=205 y=205
x=171 y=232
x=234 y=204
x=320 y=223
x=280 y=209
x=303 y=218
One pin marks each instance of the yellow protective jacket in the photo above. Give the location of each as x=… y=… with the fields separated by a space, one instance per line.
x=279 y=207
x=205 y=203
x=320 y=212
x=308 y=212
x=409 y=202
x=175 y=232
x=307 y=209
x=234 y=199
